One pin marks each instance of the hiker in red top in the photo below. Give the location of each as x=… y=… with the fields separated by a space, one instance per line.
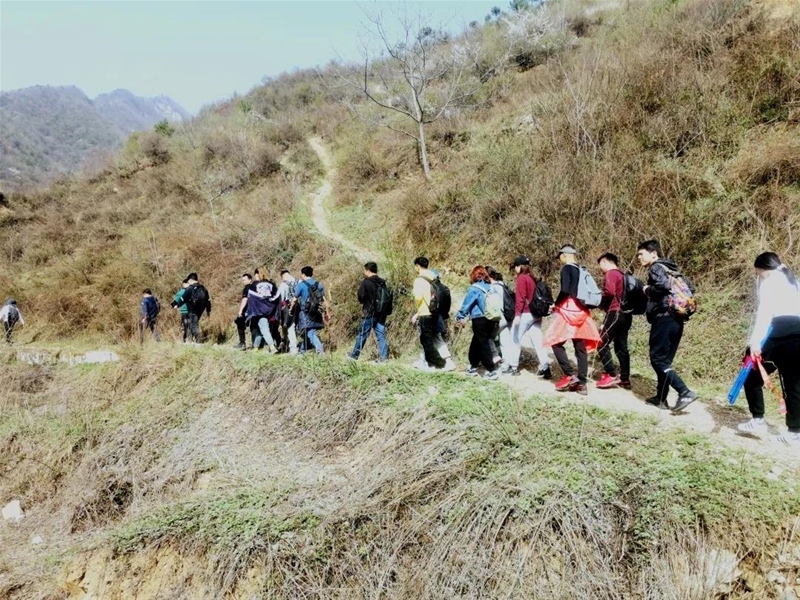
x=615 y=327
x=572 y=321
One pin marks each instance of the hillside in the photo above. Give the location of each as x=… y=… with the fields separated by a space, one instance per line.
x=48 y=131
x=202 y=472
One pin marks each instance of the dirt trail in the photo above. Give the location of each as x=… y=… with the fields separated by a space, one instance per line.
x=321 y=195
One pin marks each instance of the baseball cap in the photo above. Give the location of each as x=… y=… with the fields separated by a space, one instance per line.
x=521 y=260
x=566 y=249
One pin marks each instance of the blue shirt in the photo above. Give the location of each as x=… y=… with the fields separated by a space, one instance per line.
x=302 y=291
x=474 y=304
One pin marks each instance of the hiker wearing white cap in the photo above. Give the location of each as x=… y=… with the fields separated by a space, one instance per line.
x=10 y=316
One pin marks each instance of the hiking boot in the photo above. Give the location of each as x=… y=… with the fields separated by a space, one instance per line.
x=624 y=384
x=754 y=427
x=449 y=366
x=685 y=400
x=566 y=382
x=491 y=375
x=507 y=369
x=471 y=372
x=657 y=402
x=790 y=437
x=240 y=346
x=607 y=381
x=545 y=373
x=580 y=388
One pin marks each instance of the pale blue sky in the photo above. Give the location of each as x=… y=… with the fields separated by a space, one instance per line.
x=193 y=51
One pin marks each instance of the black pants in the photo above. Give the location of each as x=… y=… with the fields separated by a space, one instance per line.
x=241 y=329
x=615 y=331
x=427 y=337
x=151 y=325
x=782 y=355
x=581 y=357
x=186 y=325
x=665 y=337
x=8 y=327
x=194 y=327
x=480 y=349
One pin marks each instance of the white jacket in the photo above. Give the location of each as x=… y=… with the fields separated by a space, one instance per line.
x=776 y=298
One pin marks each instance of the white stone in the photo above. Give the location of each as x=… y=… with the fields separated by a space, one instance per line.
x=13 y=511
x=37 y=540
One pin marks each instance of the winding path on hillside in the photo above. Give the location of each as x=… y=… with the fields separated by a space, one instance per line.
x=321 y=195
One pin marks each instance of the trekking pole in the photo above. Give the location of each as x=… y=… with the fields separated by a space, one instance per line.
x=771 y=386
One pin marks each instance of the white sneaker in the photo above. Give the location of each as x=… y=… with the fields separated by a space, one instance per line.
x=754 y=427
x=449 y=365
x=421 y=365
x=789 y=437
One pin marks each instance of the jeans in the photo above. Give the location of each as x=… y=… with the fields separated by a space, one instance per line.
x=367 y=325
x=151 y=325
x=311 y=335
x=194 y=327
x=665 y=337
x=615 y=329
x=260 y=331
x=503 y=332
x=427 y=337
x=778 y=355
x=581 y=357
x=526 y=324
x=480 y=352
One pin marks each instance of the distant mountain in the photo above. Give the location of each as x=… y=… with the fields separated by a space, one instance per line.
x=47 y=131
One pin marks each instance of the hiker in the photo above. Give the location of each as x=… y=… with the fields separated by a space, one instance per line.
x=475 y=307
x=183 y=308
x=775 y=340
x=10 y=315
x=439 y=341
x=430 y=322
x=198 y=300
x=311 y=304
x=525 y=321
x=616 y=326
x=376 y=304
x=288 y=315
x=241 y=316
x=666 y=326
x=502 y=332
x=150 y=310
x=262 y=278
x=262 y=308
x=573 y=321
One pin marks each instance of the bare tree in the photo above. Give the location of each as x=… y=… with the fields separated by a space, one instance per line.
x=417 y=78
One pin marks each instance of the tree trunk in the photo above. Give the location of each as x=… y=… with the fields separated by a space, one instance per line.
x=423 y=152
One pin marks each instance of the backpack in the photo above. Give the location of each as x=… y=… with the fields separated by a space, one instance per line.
x=196 y=297
x=634 y=300
x=440 y=299
x=681 y=302
x=316 y=299
x=492 y=304
x=542 y=300
x=13 y=315
x=588 y=293
x=154 y=309
x=509 y=305
x=384 y=301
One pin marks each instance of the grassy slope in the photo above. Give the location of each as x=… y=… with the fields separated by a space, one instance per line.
x=327 y=475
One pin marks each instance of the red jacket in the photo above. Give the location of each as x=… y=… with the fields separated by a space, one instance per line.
x=526 y=285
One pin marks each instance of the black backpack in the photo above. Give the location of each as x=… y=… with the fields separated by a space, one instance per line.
x=542 y=299
x=509 y=305
x=197 y=298
x=316 y=299
x=384 y=300
x=440 y=299
x=634 y=300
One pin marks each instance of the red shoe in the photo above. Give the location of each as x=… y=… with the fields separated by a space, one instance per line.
x=566 y=382
x=607 y=381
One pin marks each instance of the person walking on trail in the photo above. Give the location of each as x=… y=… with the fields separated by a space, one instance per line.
x=616 y=326
x=429 y=320
x=270 y=288
x=376 y=304
x=525 y=322
x=775 y=342
x=311 y=304
x=666 y=325
x=288 y=318
x=262 y=308
x=241 y=316
x=183 y=310
x=198 y=301
x=10 y=316
x=150 y=311
x=474 y=307
x=439 y=341
x=502 y=332
x=573 y=321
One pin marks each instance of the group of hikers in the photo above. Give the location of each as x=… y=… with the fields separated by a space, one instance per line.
x=287 y=318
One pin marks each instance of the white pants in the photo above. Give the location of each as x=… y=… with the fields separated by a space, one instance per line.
x=526 y=325
x=292 y=335
x=506 y=340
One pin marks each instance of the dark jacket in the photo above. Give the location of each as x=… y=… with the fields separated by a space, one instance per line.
x=570 y=278
x=368 y=295
x=658 y=287
x=150 y=308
